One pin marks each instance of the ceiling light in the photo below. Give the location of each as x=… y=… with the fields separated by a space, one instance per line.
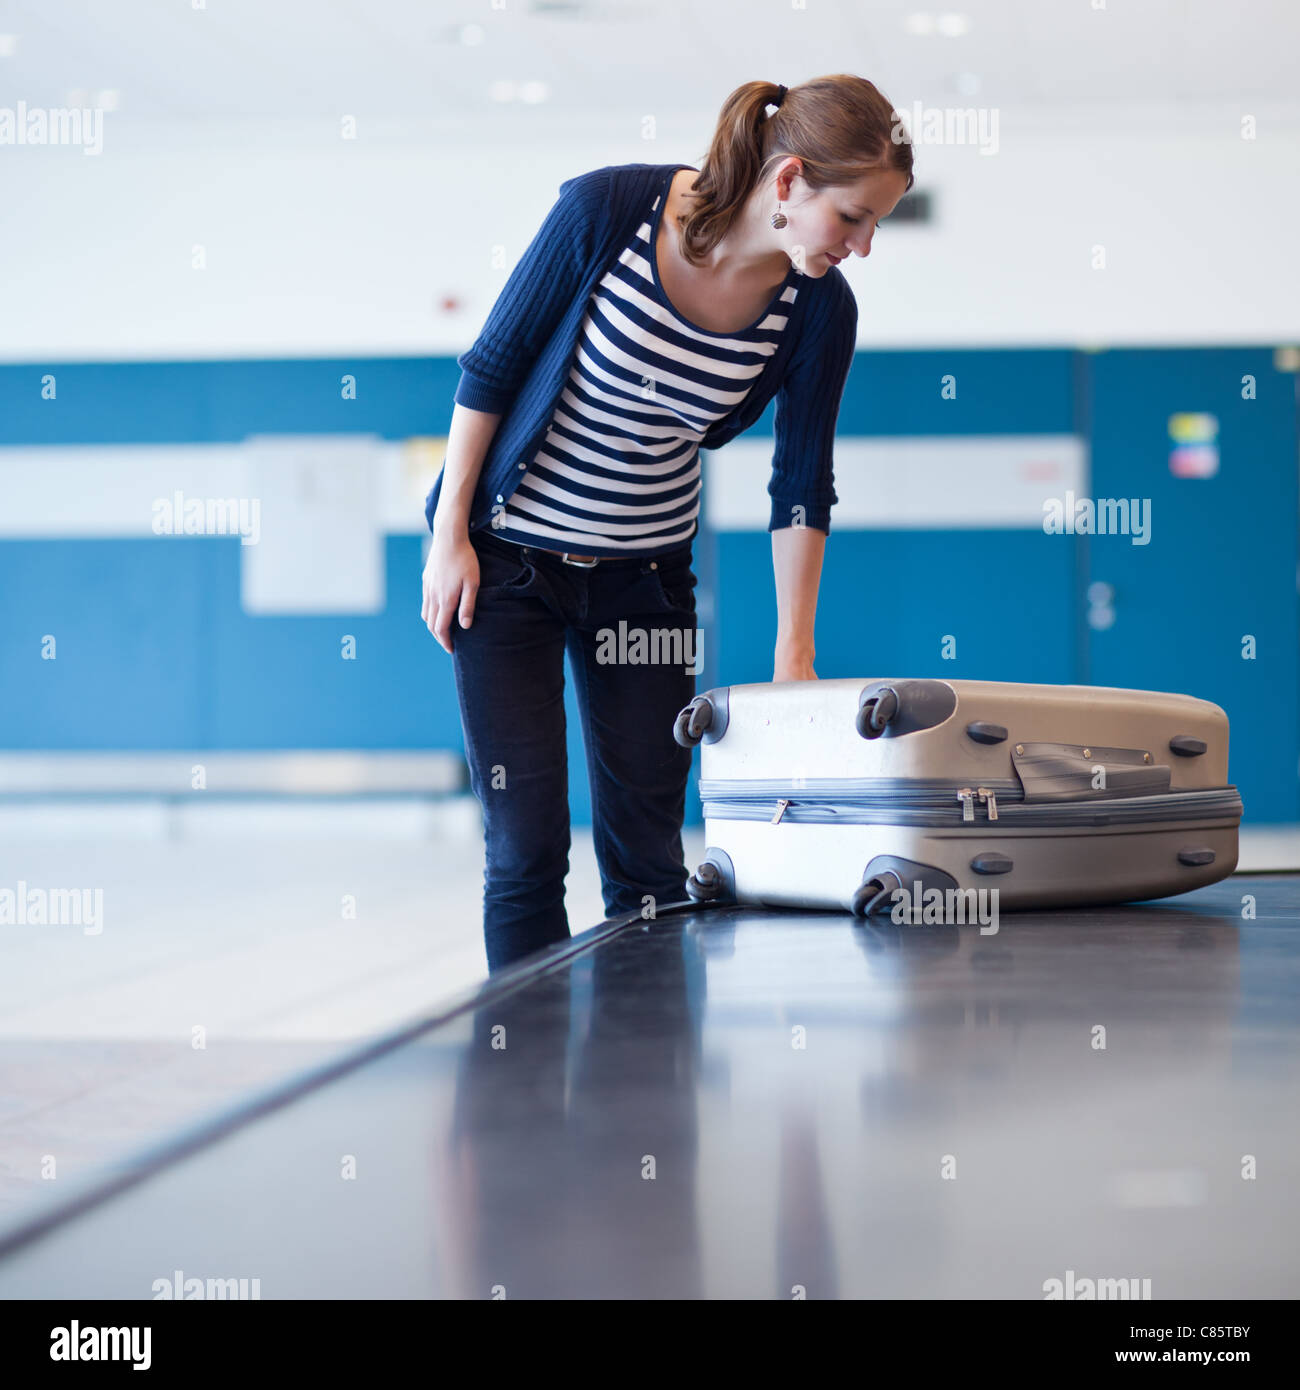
x=953 y=26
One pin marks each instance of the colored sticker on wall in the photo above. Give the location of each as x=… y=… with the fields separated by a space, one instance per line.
x=1195 y=454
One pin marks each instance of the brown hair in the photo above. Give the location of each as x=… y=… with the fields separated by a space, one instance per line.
x=841 y=127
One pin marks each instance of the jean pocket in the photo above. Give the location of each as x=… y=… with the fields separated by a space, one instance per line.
x=502 y=574
x=676 y=584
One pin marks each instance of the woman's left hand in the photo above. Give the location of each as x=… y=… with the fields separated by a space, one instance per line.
x=793 y=663
x=796 y=565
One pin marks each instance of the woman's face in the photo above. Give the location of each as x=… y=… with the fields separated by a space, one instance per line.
x=839 y=222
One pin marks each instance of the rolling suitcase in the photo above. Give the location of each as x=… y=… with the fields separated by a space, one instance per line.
x=837 y=793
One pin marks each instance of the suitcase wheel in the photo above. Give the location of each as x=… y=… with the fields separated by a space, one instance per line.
x=694 y=722
x=707 y=884
x=904 y=707
x=875 y=893
x=875 y=713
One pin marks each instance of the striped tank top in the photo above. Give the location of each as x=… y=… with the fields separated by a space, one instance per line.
x=619 y=469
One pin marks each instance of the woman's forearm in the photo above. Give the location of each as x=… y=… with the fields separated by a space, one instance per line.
x=467 y=445
x=797 y=565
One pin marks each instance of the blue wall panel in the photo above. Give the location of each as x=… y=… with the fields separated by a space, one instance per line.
x=106 y=403
x=283 y=683
x=130 y=621
x=224 y=402
x=1222 y=558
x=154 y=650
x=1020 y=391
x=888 y=599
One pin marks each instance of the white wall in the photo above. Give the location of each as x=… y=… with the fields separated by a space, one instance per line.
x=317 y=246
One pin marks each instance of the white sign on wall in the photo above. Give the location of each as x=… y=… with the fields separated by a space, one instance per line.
x=309 y=513
x=321 y=548
x=915 y=482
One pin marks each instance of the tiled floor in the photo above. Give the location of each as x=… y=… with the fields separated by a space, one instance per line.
x=225 y=942
x=751 y=1103
x=233 y=925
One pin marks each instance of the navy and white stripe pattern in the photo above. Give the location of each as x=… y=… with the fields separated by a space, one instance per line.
x=619 y=469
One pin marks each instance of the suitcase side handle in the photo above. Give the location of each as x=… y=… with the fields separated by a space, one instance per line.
x=1071 y=772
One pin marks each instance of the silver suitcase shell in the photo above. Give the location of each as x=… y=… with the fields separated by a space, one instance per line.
x=1075 y=794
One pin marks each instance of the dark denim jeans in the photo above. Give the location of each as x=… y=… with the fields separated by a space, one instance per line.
x=509 y=665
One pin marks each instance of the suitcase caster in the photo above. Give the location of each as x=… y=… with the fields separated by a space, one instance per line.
x=875 y=713
x=874 y=893
x=903 y=707
x=704 y=719
x=711 y=882
x=693 y=722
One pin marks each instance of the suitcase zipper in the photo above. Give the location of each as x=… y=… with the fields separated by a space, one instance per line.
x=922 y=808
x=930 y=793
x=967 y=798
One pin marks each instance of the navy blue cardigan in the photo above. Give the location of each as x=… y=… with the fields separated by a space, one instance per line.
x=520 y=362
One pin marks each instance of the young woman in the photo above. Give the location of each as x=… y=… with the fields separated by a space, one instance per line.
x=657 y=312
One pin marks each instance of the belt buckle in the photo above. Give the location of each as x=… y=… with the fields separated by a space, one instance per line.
x=591 y=564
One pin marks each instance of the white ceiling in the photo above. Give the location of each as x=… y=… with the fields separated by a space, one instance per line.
x=405 y=59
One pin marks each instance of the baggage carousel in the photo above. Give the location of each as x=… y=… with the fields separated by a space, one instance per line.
x=731 y=1102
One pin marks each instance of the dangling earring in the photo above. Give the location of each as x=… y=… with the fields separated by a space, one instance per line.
x=778 y=217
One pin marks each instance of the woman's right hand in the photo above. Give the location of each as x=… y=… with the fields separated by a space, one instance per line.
x=450 y=582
